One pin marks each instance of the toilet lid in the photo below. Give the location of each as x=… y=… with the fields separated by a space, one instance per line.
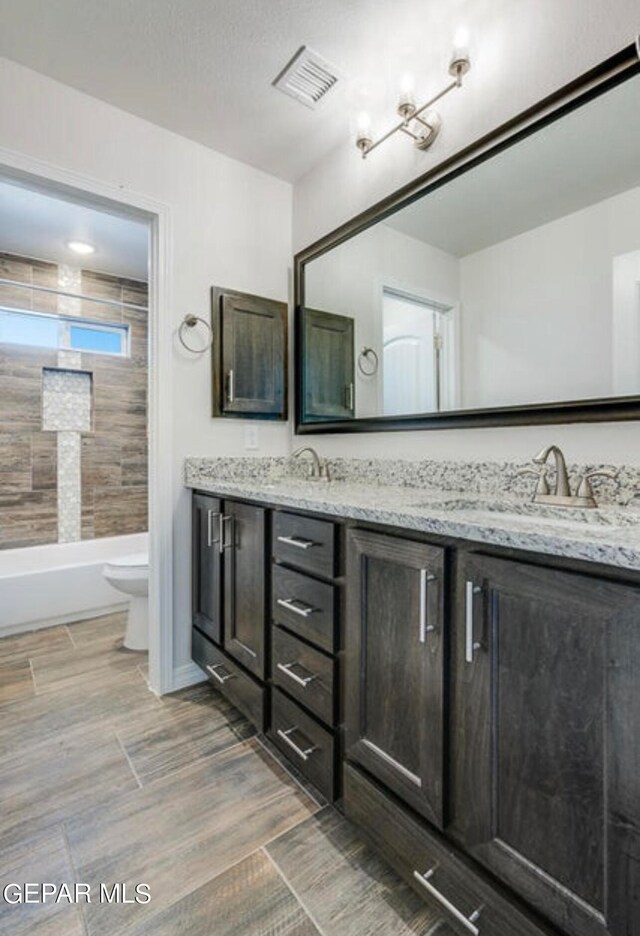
x=139 y=560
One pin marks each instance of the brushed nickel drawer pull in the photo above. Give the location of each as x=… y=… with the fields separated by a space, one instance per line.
x=289 y=604
x=296 y=541
x=301 y=680
x=231 y=394
x=221 y=679
x=425 y=578
x=210 y=517
x=222 y=543
x=470 y=645
x=467 y=922
x=304 y=755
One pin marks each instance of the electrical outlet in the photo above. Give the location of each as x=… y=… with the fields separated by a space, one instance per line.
x=251 y=442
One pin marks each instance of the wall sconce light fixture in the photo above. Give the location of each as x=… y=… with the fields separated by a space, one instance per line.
x=422 y=123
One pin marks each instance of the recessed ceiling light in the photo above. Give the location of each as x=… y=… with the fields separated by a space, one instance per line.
x=80 y=247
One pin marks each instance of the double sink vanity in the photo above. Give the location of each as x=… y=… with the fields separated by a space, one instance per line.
x=451 y=663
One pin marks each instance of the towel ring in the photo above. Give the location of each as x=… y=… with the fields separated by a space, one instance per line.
x=369 y=355
x=190 y=321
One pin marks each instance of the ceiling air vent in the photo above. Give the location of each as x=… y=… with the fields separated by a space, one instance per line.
x=308 y=77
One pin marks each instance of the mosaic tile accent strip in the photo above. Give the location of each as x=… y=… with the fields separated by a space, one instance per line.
x=69 y=280
x=66 y=400
x=69 y=493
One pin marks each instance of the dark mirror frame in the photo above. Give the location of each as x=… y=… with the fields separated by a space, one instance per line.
x=613 y=71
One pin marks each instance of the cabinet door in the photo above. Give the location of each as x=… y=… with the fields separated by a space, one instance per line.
x=395 y=647
x=244 y=584
x=206 y=559
x=328 y=378
x=546 y=760
x=251 y=372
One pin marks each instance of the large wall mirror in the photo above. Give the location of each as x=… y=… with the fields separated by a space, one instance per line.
x=503 y=288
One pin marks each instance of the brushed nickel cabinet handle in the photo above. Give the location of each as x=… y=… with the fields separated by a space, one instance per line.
x=221 y=679
x=350 y=396
x=289 y=604
x=467 y=922
x=211 y=514
x=304 y=755
x=222 y=544
x=301 y=680
x=470 y=645
x=296 y=541
x=231 y=394
x=425 y=578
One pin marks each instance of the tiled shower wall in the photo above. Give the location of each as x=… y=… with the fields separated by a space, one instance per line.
x=111 y=481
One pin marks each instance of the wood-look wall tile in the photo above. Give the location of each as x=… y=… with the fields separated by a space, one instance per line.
x=101 y=285
x=40 y=859
x=15 y=461
x=120 y=510
x=28 y=519
x=15 y=268
x=345 y=886
x=44 y=446
x=250 y=899
x=220 y=812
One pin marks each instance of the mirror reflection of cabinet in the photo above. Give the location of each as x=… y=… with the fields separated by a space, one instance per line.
x=249 y=356
x=503 y=287
x=327 y=365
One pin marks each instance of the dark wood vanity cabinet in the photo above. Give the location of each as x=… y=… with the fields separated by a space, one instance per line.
x=327 y=365
x=395 y=661
x=245 y=547
x=249 y=356
x=207 y=565
x=546 y=739
x=229 y=599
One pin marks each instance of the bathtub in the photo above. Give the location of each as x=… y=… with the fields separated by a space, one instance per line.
x=60 y=582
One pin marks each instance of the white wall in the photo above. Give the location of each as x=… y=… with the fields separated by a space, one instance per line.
x=522 y=50
x=350 y=280
x=231 y=227
x=538 y=309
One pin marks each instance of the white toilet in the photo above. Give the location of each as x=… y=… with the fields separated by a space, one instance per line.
x=130 y=574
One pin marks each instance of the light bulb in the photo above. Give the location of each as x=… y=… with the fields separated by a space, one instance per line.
x=461 y=40
x=363 y=123
x=460 y=61
x=406 y=101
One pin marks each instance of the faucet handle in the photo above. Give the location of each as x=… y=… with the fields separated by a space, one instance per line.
x=585 y=489
x=540 y=473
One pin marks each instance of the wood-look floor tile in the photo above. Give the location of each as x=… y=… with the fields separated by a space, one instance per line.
x=43 y=859
x=41 y=718
x=16 y=682
x=250 y=899
x=343 y=884
x=181 y=831
x=33 y=644
x=191 y=725
x=80 y=666
x=42 y=785
x=106 y=627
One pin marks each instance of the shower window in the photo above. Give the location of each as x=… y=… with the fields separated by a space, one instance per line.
x=39 y=330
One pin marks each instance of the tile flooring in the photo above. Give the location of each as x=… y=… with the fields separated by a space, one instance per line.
x=102 y=782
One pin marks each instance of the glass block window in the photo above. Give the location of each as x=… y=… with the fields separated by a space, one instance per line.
x=38 y=330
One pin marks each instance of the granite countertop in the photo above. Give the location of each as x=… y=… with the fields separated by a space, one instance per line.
x=609 y=534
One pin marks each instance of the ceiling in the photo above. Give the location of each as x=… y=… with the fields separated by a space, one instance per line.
x=587 y=156
x=36 y=225
x=204 y=68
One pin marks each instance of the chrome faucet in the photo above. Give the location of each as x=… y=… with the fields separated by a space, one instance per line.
x=319 y=468
x=562 y=496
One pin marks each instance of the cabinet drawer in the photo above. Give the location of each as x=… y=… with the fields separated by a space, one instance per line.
x=305 y=673
x=305 y=543
x=242 y=691
x=305 y=606
x=305 y=743
x=469 y=904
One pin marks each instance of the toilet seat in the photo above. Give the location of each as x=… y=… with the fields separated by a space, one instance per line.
x=136 y=561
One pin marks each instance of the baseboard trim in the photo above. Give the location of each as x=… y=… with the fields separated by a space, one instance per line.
x=26 y=626
x=189 y=674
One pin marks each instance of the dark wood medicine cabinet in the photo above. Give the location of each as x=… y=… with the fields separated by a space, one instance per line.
x=547 y=124
x=249 y=356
